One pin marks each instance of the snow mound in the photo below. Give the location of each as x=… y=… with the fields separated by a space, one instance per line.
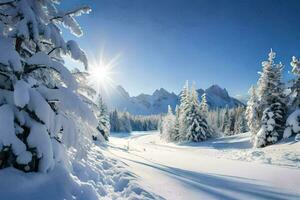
x=96 y=177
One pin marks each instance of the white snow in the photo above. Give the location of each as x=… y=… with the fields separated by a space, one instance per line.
x=8 y=55
x=214 y=169
x=292 y=124
x=38 y=138
x=41 y=108
x=77 y=53
x=42 y=59
x=24 y=158
x=65 y=96
x=7 y=136
x=95 y=178
x=21 y=94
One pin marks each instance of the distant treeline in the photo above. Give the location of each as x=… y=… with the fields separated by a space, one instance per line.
x=125 y=122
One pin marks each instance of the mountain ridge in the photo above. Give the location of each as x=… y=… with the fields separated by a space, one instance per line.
x=158 y=101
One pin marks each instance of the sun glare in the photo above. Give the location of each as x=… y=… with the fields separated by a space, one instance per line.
x=101 y=73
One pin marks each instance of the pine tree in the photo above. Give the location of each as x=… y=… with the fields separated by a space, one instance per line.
x=272 y=101
x=198 y=129
x=103 y=118
x=225 y=125
x=229 y=130
x=243 y=127
x=219 y=119
x=36 y=122
x=115 y=121
x=184 y=110
x=125 y=123
x=204 y=106
x=252 y=116
x=293 y=121
x=270 y=130
x=295 y=89
x=270 y=87
x=168 y=125
x=176 y=134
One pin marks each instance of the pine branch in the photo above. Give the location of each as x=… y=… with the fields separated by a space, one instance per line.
x=73 y=12
x=55 y=48
x=31 y=69
x=10 y=3
x=5 y=74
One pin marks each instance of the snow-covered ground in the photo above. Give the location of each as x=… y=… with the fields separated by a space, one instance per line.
x=215 y=169
x=95 y=178
x=141 y=166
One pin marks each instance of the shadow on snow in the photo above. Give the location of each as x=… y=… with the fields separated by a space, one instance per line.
x=220 y=186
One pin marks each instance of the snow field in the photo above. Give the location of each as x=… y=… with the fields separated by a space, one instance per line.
x=96 y=177
x=213 y=169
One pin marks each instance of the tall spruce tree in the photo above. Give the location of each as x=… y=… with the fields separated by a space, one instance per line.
x=103 y=118
x=204 y=106
x=184 y=109
x=229 y=130
x=226 y=117
x=114 y=121
x=252 y=113
x=198 y=129
x=168 y=125
x=272 y=102
x=175 y=134
x=295 y=89
x=293 y=121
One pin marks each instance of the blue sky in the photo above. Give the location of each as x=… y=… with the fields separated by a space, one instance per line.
x=165 y=42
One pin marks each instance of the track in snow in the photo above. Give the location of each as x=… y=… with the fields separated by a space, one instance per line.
x=185 y=172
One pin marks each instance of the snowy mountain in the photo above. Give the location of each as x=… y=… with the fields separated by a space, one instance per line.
x=218 y=97
x=146 y=104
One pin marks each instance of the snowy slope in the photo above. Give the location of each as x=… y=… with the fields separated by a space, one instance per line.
x=209 y=170
x=95 y=178
x=158 y=102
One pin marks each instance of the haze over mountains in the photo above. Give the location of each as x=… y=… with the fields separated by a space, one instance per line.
x=145 y=104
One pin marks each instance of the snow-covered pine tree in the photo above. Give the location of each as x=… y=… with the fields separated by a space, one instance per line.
x=293 y=121
x=230 y=129
x=204 y=106
x=198 y=129
x=168 y=125
x=175 y=134
x=125 y=125
x=272 y=101
x=251 y=114
x=272 y=126
x=240 y=124
x=243 y=127
x=270 y=88
x=226 y=117
x=103 y=118
x=114 y=121
x=219 y=119
x=40 y=112
x=184 y=109
x=295 y=89
x=237 y=113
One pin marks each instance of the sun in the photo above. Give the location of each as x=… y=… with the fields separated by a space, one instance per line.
x=101 y=73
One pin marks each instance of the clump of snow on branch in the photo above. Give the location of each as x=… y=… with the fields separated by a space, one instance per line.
x=292 y=124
